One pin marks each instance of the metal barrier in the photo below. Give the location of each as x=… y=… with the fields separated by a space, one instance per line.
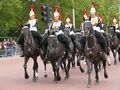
x=10 y=51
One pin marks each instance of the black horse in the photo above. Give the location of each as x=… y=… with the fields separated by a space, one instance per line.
x=92 y=52
x=78 y=36
x=56 y=56
x=31 y=50
x=114 y=42
x=71 y=44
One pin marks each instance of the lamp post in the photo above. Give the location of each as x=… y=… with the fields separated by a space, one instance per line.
x=119 y=10
x=73 y=10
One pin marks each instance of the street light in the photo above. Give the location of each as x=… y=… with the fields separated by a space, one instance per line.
x=46 y=13
x=73 y=14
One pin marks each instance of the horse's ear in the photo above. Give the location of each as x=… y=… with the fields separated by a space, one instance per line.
x=53 y=32
x=28 y=25
x=48 y=32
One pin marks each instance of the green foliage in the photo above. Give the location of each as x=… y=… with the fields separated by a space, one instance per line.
x=14 y=13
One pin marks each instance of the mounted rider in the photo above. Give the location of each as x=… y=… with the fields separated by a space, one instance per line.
x=32 y=25
x=95 y=21
x=116 y=25
x=97 y=26
x=69 y=26
x=58 y=27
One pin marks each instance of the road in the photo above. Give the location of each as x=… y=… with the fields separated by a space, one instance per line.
x=12 y=77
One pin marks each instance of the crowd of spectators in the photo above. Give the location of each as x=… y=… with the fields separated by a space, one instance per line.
x=8 y=47
x=7 y=43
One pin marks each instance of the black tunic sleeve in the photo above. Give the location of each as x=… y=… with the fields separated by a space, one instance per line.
x=62 y=27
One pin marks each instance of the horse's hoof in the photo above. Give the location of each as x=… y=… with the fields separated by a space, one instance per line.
x=34 y=79
x=73 y=65
x=66 y=77
x=97 y=83
x=115 y=63
x=58 y=78
x=45 y=75
x=99 y=69
x=106 y=76
x=78 y=63
x=26 y=76
x=89 y=85
x=109 y=64
x=55 y=81
x=82 y=70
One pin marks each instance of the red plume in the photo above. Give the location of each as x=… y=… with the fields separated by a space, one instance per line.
x=93 y=4
x=85 y=13
x=101 y=18
x=32 y=8
x=57 y=10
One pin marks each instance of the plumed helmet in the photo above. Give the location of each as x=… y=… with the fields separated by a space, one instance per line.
x=32 y=11
x=93 y=10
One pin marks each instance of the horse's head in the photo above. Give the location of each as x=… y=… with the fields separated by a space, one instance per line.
x=78 y=36
x=88 y=29
x=66 y=31
x=52 y=44
x=26 y=32
x=111 y=31
x=51 y=32
x=27 y=35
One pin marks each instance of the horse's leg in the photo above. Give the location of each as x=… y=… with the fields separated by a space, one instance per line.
x=108 y=60
x=54 y=70
x=73 y=61
x=80 y=67
x=104 y=66
x=62 y=68
x=89 y=72
x=35 y=69
x=58 y=75
x=67 y=69
x=119 y=54
x=78 y=60
x=79 y=64
x=96 y=72
x=45 y=73
x=114 y=55
x=25 y=67
x=99 y=66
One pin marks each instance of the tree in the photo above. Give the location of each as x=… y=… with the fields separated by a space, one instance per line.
x=15 y=13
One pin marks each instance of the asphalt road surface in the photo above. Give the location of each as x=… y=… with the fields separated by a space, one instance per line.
x=12 y=77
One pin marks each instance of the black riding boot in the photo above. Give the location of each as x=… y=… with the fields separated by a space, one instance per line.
x=103 y=43
x=68 y=51
x=64 y=40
